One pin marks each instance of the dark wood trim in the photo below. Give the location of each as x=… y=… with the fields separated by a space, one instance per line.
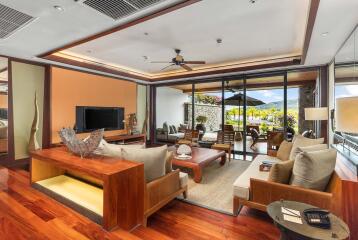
x=10 y=115
x=94 y=67
x=193 y=106
x=263 y=85
x=152 y=113
x=345 y=80
x=314 y=4
x=124 y=26
x=323 y=95
x=244 y=123
x=22 y=163
x=237 y=69
x=3 y=69
x=46 y=129
x=15 y=59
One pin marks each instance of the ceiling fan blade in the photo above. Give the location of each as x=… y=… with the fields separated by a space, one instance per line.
x=160 y=62
x=186 y=67
x=194 y=62
x=167 y=67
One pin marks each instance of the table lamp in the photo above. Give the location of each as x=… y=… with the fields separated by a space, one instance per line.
x=316 y=114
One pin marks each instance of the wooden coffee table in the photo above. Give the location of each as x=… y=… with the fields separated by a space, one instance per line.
x=201 y=157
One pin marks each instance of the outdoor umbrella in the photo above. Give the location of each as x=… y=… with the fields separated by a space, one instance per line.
x=238 y=99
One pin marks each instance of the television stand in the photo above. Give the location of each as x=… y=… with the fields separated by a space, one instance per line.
x=126 y=139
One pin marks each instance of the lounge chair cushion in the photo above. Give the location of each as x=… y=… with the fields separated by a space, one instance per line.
x=284 y=150
x=183 y=177
x=300 y=141
x=242 y=183
x=154 y=160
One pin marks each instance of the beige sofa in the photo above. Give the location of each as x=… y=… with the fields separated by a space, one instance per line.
x=253 y=189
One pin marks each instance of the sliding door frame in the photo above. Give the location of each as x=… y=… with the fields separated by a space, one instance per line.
x=245 y=78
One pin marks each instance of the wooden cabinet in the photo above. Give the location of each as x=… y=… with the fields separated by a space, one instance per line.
x=127 y=139
x=114 y=197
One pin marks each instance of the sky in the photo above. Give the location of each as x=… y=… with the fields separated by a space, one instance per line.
x=346 y=91
x=267 y=96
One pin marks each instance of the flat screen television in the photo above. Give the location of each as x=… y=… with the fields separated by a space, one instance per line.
x=91 y=118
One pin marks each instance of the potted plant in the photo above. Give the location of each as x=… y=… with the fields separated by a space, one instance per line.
x=201 y=120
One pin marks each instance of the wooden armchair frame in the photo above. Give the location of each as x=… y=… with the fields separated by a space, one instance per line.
x=263 y=193
x=161 y=191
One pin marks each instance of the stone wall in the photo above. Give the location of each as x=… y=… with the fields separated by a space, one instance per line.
x=212 y=112
x=306 y=99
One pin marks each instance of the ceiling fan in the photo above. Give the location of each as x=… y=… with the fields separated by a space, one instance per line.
x=179 y=61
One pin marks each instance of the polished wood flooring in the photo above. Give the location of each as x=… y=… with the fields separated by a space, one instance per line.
x=28 y=214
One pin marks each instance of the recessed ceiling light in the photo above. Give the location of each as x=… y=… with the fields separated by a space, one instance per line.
x=324 y=34
x=59 y=8
x=219 y=40
x=145 y=58
x=146 y=33
x=252 y=1
x=89 y=51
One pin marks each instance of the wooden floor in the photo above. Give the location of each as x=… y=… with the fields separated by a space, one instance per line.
x=28 y=214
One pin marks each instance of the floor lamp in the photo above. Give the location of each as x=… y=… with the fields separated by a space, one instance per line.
x=316 y=114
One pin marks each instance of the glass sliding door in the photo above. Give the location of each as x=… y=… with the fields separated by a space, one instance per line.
x=265 y=107
x=173 y=112
x=207 y=111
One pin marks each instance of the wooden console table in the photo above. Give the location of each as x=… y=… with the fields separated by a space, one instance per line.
x=115 y=200
x=127 y=139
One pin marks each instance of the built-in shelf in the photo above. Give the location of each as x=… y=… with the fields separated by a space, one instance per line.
x=83 y=194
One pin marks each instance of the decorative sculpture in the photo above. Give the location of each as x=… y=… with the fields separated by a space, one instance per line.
x=184 y=149
x=33 y=144
x=79 y=147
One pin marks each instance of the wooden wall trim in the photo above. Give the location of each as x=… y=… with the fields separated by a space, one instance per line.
x=314 y=4
x=10 y=115
x=46 y=130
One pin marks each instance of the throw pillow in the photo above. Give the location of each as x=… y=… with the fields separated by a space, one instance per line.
x=114 y=150
x=165 y=127
x=300 y=141
x=284 y=150
x=313 y=169
x=171 y=129
x=312 y=148
x=168 y=162
x=175 y=129
x=281 y=172
x=154 y=160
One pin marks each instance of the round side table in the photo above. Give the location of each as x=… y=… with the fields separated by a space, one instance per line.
x=293 y=231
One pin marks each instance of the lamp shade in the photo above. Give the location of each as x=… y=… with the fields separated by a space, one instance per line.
x=316 y=113
x=347 y=114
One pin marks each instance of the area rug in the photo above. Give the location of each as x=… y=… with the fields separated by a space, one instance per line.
x=215 y=189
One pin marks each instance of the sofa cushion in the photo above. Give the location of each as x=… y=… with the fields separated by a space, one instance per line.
x=242 y=183
x=281 y=172
x=300 y=141
x=154 y=160
x=168 y=162
x=175 y=129
x=165 y=127
x=114 y=150
x=313 y=169
x=171 y=130
x=284 y=150
x=183 y=177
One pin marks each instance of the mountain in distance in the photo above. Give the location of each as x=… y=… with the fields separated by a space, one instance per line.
x=291 y=103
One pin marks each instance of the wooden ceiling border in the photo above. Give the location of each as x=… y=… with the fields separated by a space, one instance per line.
x=314 y=4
